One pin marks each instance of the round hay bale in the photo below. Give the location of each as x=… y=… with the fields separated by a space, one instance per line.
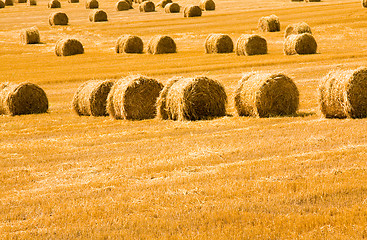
x=30 y=36
x=98 y=15
x=91 y=98
x=364 y=3
x=91 y=4
x=134 y=98
x=297 y=0
x=297 y=28
x=147 y=6
x=68 y=47
x=54 y=4
x=172 y=8
x=123 y=5
x=218 y=43
x=266 y=95
x=163 y=3
x=251 y=44
x=192 y=11
x=269 y=24
x=9 y=3
x=192 y=99
x=22 y=1
x=161 y=44
x=303 y=43
x=73 y=1
x=129 y=44
x=2 y=4
x=207 y=5
x=312 y=1
x=343 y=93
x=24 y=98
x=31 y=3
x=58 y=18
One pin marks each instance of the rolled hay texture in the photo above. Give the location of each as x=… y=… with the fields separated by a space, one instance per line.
x=172 y=8
x=134 y=98
x=58 y=18
x=163 y=3
x=269 y=24
x=161 y=44
x=2 y=4
x=266 y=95
x=129 y=44
x=297 y=28
x=192 y=99
x=98 y=16
x=24 y=98
x=123 y=5
x=22 y=1
x=343 y=94
x=218 y=43
x=9 y=3
x=68 y=47
x=192 y=11
x=30 y=36
x=73 y=1
x=207 y=5
x=91 y=98
x=91 y=4
x=251 y=44
x=364 y=3
x=31 y=2
x=147 y=6
x=303 y=43
x=54 y=4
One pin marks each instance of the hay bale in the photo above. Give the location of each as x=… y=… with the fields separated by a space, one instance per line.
x=91 y=98
x=297 y=0
x=207 y=5
x=163 y=3
x=172 y=8
x=54 y=4
x=22 y=1
x=134 y=98
x=218 y=43
x=269 y=24
x=91 y=4
x=123 y=5
x=24 y=98
x=31 y=3
x=58 y=18
x=161 y=44
x=303 y=43
x=2 y=4
x=68 y=47
x=343 y=94
x=30 y=36
x=192 y=11
x=147 y=6
x=251 y=44
x=9 y=3
x=196 y=98
x=98 y=15
x=129 y=44
x=266 y=95
x=297 y=28
x=73 y=1
x=364 y=3
x=312 y=0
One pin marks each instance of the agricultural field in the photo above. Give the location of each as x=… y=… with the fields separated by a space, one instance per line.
x=63 y=176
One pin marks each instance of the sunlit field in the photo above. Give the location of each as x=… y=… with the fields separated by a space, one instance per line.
x=63 y=176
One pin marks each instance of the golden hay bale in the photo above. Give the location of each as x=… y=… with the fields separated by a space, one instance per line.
x=196 y=98
x=30 y=36
x=266 y=95
x=251 y=44
x=147 y=6
x=297 y=28
x=9 y=3
x=172 y=8
x=2 y=4
x=123 y=5
x=91 y=4
x=24 y=98
x=22 y=1
x=129 y=44
x=207 y=5
x=54 y=4
x=364 y=3
x=218 y=43
x=58 y=18
x=68 y=47
x=269 y=24
x=73 y=1
x=303 y=43
x=192 y=11
x=91 y=98
x=161 y=44
x=134 y=98
x=31 y=2
x=163 y=3
x=343 y=93
x=98 y=15
x=312 y=1
x=297 y=0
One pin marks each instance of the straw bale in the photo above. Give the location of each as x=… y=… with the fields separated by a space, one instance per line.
x=68 y=47
x=269 y=24
x=22 y=1
x=91 y=4
x=251 y=44
x=303 y=43
x=207 y=5
x=192 y=11
x=161 y=44
x=297 y=28
x=30 y=36
x=58 y=18
x=98 y=15
x=73 y=1
x=364 y=3
x=31 y=2
x=129 y=44
x=147 y=6
x=172 y=8
x=123 y=5
x=9 y=3
x=54 y=4
x=163 y=3
x=218 y=43
x=2 y=4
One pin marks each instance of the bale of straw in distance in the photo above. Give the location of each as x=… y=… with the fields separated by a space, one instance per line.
x=22 y=1
x=218 y=43
x=2 y=4
x=54 y=4
x=73 y=1
x=312 y=0
x=91 y=98
x=161 y=44
x=98 y=15
x=297 y=28
x=58 y=18
x=134 y=98
x=31 y=2
x=123 y=5
x=9 y=3
x=196 y=98
x=172 y=8
x=147 y=6
x=364 y=3
x=207 y=5
x=129 y=44
x=343 y=93
x=91 y=4
x=269 y=24
x=30 y=36
x=68 y=47
x=163 y=3
x=24 y=98
x=303 y=43
x=251 y=44
x=266 y=95
x=192 y=11
x=297 y=0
